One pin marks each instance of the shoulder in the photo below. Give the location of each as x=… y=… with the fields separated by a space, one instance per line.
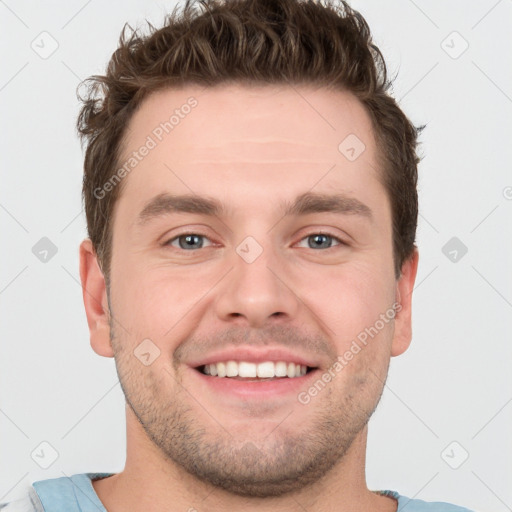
x=414 y=505
x=431 y=506
x=28 y=503
x=68 y=493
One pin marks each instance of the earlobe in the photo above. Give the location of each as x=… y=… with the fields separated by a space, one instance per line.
x=403 y=320
x=94 y=294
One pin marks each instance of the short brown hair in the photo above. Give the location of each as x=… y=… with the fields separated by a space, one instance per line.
x=248 y=42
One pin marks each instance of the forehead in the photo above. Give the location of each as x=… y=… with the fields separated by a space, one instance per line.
x=245 y=140
x=227 y=117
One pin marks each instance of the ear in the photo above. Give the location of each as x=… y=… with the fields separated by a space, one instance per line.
x=94 y=293
x=404 y=286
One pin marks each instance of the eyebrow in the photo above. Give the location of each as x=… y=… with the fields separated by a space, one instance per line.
x=307 y=203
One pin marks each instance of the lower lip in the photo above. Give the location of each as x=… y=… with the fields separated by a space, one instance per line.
x=256 y=389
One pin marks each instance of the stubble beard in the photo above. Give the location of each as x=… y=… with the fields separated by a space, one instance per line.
x=293 y=457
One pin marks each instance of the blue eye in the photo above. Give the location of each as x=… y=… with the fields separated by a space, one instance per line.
x=320 y=240
x=191 y=241
x=188 y=241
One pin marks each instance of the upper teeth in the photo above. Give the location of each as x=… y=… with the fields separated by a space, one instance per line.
x=263 y=370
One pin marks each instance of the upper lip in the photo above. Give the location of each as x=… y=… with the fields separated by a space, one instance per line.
x=253 y=355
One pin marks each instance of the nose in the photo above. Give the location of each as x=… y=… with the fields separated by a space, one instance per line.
x=255 y=292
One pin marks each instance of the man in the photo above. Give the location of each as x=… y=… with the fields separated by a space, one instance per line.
x=250 y=192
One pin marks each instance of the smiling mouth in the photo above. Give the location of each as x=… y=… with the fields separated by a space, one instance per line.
x=254 y=372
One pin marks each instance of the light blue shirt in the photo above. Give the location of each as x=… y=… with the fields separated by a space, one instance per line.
x=76 y=494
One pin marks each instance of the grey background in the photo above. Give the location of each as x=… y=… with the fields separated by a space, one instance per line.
x=452 y=385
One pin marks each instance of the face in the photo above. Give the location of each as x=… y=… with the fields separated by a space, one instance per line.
x=280 y=253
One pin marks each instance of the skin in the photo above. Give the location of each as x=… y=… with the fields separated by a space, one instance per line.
x=250 y=148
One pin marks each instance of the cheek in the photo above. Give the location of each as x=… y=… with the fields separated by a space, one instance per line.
x=352 y=300
x=161 y=304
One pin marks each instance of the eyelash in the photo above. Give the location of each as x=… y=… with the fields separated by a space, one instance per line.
x=168 y=243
